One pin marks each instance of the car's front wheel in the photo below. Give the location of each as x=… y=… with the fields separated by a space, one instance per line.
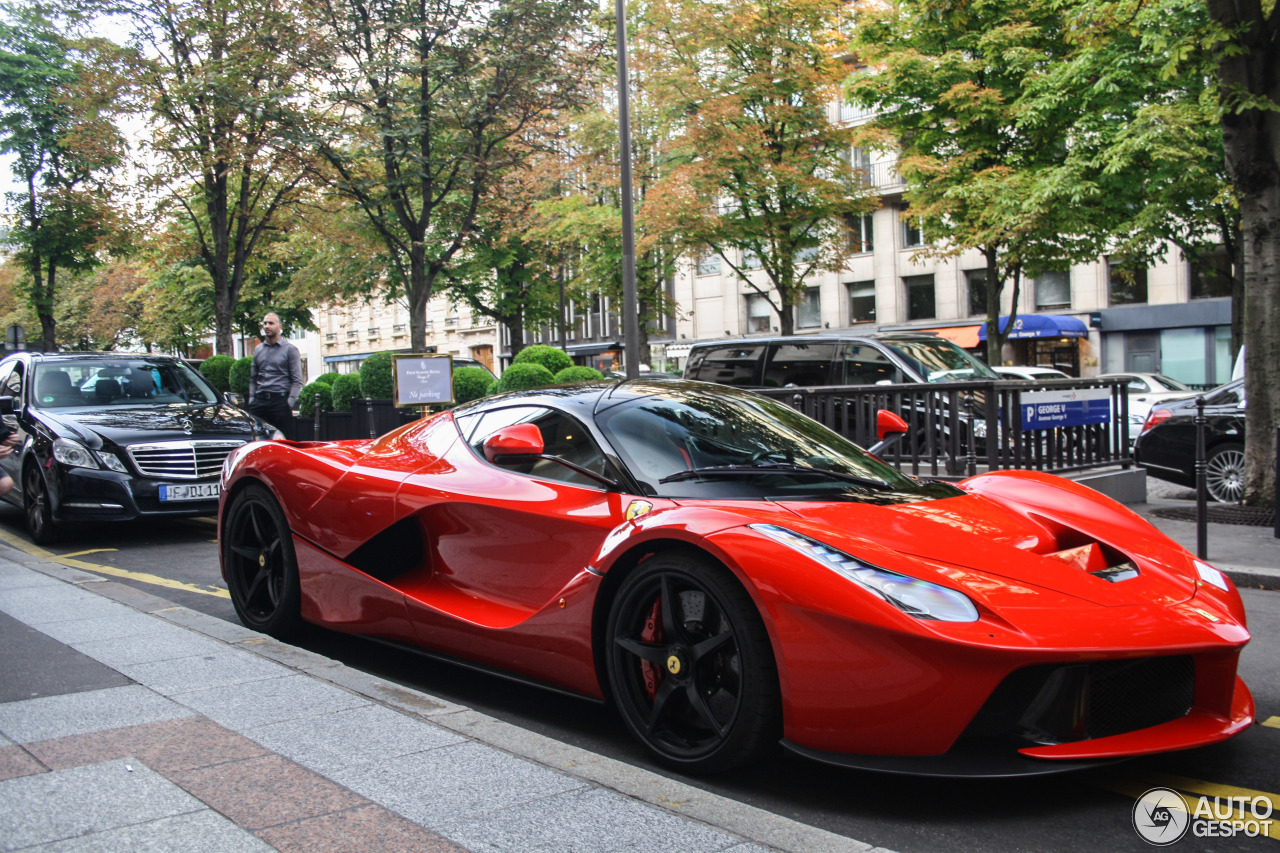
x=690 y=665
x=261 y=568
x=1224 y=473
x=38 y=507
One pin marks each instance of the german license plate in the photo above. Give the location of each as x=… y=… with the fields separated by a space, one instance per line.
x=189 y=491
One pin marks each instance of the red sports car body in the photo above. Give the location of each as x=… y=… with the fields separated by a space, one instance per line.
x=731 y=574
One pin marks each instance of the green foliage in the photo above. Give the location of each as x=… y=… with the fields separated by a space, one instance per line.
x=578 y=373
x=375 y=377
x=328 y=378
x=238 y=376
x=519 y=377
x=553 y=359
x=346 y=388
x=217 y=369
x=313 y=395
x=470 y=383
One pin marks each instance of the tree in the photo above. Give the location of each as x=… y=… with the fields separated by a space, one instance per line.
x=427 y=98
x=225 y=87
x=1248 y=76
x=758 y=167
x=55 y=120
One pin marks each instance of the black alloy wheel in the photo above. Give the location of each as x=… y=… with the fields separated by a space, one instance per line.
x=1224 y=473
x=39 y=509
x=690 y=665
x=261 y=568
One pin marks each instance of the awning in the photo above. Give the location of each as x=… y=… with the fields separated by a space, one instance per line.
x=965 y=337
x=593 y=349
x=1040 y=326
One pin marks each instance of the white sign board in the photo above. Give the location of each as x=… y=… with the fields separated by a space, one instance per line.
x=421 y=380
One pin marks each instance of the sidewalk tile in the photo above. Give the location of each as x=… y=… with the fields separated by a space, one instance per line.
x=273 y=701
x=198 y=832
x=16 y=761
x=166 y=746
x=48 y=717
x=369 y=829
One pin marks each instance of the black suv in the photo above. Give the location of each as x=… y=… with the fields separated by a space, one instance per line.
x=804 y=361
x=115 y=436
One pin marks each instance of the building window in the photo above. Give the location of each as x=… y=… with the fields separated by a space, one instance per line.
x=1211 y=276
x=922 y=302
x=1127 y=282
x=977 y=280
x=862 y=302
x=858 y=227
x=709 y=264
x=912 y=231
x=809 y=311
x=807 y=254
x=759 y=313
x=1053 y=290
x=750 y=260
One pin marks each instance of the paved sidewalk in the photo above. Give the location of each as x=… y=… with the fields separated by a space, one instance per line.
x=127 y=723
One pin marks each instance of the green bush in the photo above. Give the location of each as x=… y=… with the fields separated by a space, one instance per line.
x=346 y=387
x=470 y=383
x=375 y=377
x=217 y=370
x=315 y=394
x=554 y=360
x=578 y=373
x=328 y=378
x=518 y=377
x=238 y=376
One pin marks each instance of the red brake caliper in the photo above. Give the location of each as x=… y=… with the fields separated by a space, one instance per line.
x=652 y=633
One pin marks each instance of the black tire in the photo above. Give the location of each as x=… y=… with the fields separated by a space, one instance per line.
x=1224 y=473
x=261 y=568
x=41 y=526
x=690 y=666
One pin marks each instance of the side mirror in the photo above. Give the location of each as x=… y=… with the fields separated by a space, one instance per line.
x=517 y=440
x=888 y=423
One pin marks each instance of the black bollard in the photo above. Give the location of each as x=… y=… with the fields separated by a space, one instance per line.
x=1202 y=488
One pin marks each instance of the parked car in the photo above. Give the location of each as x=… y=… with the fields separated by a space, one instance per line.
x=731 y=574
x=1166 y=446
x=817 y=360
x=114 y=437
x=1146 y=390
x=460 y=361
x=1027 y=373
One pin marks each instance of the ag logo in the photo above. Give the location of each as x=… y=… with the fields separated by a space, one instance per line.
x=1161 y=816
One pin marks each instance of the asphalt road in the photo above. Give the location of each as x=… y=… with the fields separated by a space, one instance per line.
x=1071 y=812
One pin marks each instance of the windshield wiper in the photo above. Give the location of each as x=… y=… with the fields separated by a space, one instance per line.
x=773 y=468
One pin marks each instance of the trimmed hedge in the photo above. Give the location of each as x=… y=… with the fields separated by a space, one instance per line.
x=317 y=393
x=328 y=378
x=238 y=376
x=470 y=383
x=578 y=373
x=518 y=377
x=345 y=388
x=554 y=360
x=217 y=370
x=375 y=377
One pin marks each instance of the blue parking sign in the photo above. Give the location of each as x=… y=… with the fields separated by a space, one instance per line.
x=1072 y=407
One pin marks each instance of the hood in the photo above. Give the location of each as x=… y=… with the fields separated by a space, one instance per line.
x=975 y=533
x=132 y=425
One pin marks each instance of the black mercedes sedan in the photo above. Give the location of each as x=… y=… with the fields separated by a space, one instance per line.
x=115 y=437
x=1166 y=447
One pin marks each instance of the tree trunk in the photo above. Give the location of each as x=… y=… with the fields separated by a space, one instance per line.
x=44 y=308
x=1262 y=336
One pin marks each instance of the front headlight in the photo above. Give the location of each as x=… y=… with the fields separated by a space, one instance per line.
x=919 y=598
x=73 y=453
x=113 y=462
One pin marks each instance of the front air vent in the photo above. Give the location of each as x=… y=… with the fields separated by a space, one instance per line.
x=181 y=460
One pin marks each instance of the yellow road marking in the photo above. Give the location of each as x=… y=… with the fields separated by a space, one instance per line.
x=142 y=577
x=1273 y=722
x=90 y=551
x=1136 y=786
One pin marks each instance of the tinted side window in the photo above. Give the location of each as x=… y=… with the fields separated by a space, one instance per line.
x=562 y=437
x=729 y=365
x=11 y=383
x=866 y=365
x=799 y=365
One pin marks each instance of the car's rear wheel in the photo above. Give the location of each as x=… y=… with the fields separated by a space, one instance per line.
x=39 y=509
x=261 y=568
x=1224 y=473
x=690 y=665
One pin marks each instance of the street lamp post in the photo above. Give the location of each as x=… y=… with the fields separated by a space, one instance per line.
x=630 y=302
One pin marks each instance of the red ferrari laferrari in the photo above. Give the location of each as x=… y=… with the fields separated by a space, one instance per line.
x=732 y=575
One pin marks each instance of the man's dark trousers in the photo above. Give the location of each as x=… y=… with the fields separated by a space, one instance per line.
x=273 y=407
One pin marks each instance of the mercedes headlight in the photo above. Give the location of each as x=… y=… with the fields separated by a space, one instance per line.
x=916 y=597
x=74 y=454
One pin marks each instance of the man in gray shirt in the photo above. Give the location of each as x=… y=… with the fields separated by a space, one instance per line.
x=276 y=377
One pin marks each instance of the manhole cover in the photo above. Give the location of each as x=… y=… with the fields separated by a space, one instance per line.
x=1257 y=516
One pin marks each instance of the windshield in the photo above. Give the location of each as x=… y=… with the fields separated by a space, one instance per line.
x=100 y=383
x=1169 y=384
x=732 y=444
x=941 y=360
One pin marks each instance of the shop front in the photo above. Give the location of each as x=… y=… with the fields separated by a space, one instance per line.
x=1044 y=340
